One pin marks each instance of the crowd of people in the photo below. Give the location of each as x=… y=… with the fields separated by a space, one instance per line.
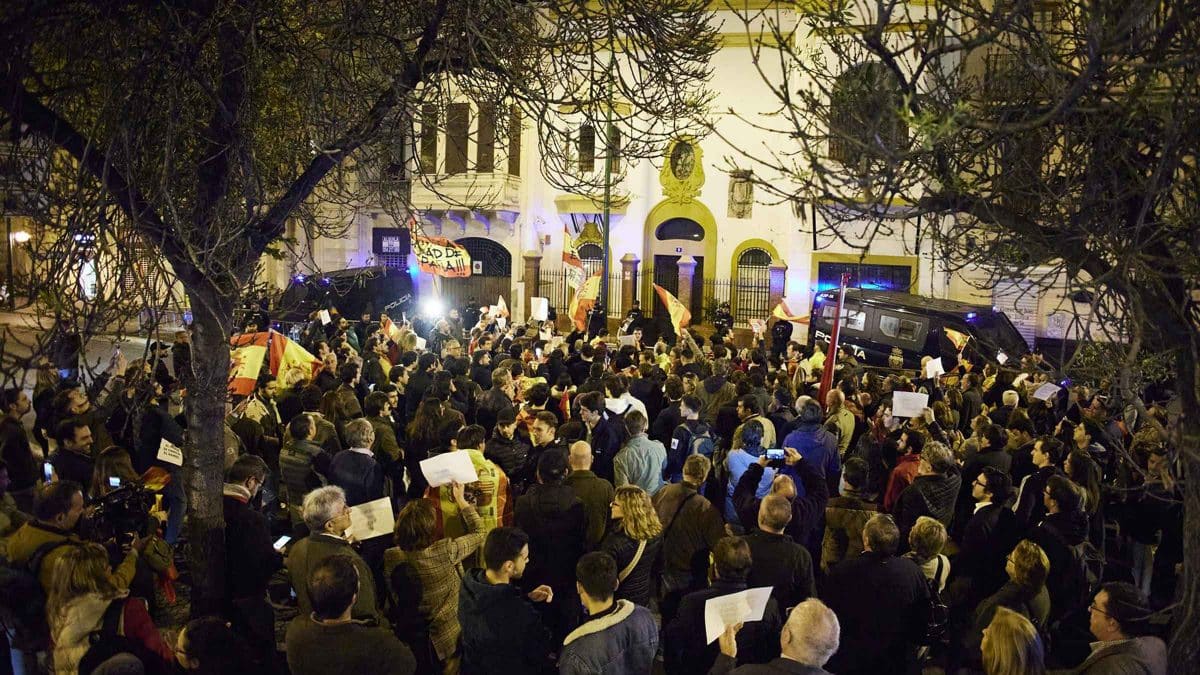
x=621 y=487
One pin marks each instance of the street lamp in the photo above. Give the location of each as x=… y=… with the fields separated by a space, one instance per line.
x=21 y=237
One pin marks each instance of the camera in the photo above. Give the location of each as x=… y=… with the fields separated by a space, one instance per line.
x=122 y=511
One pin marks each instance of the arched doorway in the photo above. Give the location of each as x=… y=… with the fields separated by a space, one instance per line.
x=491 y=275
x=673 y=239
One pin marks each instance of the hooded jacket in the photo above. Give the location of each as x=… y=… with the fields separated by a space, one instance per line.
x=621 y=641
x=713 y=393
x=502 y=632
x=932 y=496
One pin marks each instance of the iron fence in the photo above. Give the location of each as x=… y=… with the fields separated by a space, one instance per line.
x=557 y=288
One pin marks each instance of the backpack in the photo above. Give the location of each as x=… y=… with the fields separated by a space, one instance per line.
x=703 y=442
x=618 y=418
x=23 y=604
x=110 y=642
x=1087 y=569
x=939 y=614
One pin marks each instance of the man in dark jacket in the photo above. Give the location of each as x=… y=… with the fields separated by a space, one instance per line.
x=692 y=526
x=619 y=637
x=679 y=446
x=496 y=399
x=604 y=435
x=1065 y=527
x=972 y=402
x=555 y=520
x=715 y=392
x=302 y=464
x=877 y=636
x=988 y=536
x=1047 y=455
x=932 y=493
x=664 y=424
x=807 y=642
x=993 y=455
x=580 y=369
x=419 y=382
x=684 y=648
x=816 y=444
x=808 y=499
x=595 y=492
x=250 y=559
x=502 y=632
x=779 y=562
x=481 y=368
x=355 y=469
x=14 y=446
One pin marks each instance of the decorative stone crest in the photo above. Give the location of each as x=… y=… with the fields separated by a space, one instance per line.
x=682 y=174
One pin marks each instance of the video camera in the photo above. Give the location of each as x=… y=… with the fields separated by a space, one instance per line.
x=122 y=511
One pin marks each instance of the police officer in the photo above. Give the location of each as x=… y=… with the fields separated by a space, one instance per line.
x=597 y=320
x=722 y=322
x=781 y=334
x=634 y=319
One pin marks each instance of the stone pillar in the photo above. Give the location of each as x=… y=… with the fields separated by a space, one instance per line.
x=532 y=279
x=629 y=281
x=778 y=272
x=687 y=271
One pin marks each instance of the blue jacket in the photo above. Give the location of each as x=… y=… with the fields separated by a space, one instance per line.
x=737 y=462
x=819 y=448
x=641 y=462
x=623 y=641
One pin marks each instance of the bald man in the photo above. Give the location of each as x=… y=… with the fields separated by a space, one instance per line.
x=595 y=492
x=807 y=642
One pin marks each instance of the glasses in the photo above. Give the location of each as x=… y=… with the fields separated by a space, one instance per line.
x=980 y=484
x=1094 y=608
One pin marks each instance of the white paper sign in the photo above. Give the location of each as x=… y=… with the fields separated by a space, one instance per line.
x=170 y=453
x=373 y=519
x=448 y=467
x=758 y=325
x=730 y=610
x=908 y=404
x=627 y=340
x=501 y=322
x=1001 y=358
x=323 y=315
x=555 y=342
x=539 y=309
x=420 y=344
x=934 y=368
x=1046 y=391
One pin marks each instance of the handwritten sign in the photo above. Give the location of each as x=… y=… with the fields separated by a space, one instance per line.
x=730 y=610
x=448 y=467
x=441 y=257
x=372 y=519
x=324 y=316
x=758 y=325
x=170 y=453
x=420 y=343
x=908 y=404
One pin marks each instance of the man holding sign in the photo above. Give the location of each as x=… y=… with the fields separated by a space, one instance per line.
x=686 y=648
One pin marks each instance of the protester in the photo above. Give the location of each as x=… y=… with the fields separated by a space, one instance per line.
x=595 y=492
x=806 y=643
x=619 y=637
x=779 y=562
x=641 y=461
x=633 y=542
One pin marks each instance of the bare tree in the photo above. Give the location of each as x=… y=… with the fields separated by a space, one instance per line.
x=1033 y=140
x=211 y=126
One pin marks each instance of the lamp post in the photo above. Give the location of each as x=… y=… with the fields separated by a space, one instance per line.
x=8 y=239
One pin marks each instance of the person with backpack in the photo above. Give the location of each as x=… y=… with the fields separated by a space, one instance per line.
x=1025 y=593
x=92 y=618
x=692 y=526
x=691 y=437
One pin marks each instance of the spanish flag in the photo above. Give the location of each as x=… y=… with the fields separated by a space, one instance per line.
x=288 y=357
x=245 y=361
x=680 y=315
x=389 y=328
x=782 y=313
x=501 y=307
x=958 y=339
x=584 y=300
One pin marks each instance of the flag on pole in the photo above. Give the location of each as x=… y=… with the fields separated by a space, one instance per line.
x=245 y=361
x=782 y=313
x=389 y=328
x=572 y=263
x=957 y=338
x=289 y=357
x=680 y=315
x=583 y=301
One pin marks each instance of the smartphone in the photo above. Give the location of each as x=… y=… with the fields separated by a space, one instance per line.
x=48 y=471
x=538 y=352
x=114 y=482
x=281 y=542
x=775 y=454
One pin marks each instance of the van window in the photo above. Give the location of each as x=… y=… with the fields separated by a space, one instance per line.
x=852 y=319
x=898 y=328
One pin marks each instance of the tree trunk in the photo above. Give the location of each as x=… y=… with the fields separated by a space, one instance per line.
x=1185 y=638
x=206 y=450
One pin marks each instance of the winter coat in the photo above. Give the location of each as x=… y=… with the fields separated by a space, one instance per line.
x=358 y=474
x=621 y=642
x=596 y=495
x=84 y=615
x=819 y=448
x=1138 y=655
x=355 y=647
x=713 y=393
x=1057 y=534
x=987 y=540
x=307 y=553
x=877 y=636
x=783 y=564
x=556 y=523
x=692 y=526
x=845 y=517
x=502 y=631
x=932 y=496
x=508 y=453
x=684 y=649
x=623 y=548
x=250 y=558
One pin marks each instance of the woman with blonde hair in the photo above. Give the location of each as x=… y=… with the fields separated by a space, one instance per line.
x=633 y=541
x=82 y=598
x=1012 y=646
x=1025 y=592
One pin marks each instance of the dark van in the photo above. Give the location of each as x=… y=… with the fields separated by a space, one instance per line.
x=352 y=291
x=880 y=327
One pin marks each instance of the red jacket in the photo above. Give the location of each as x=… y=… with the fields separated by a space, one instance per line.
x=902 y=476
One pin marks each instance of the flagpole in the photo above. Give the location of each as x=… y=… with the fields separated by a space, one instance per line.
x=835 y=334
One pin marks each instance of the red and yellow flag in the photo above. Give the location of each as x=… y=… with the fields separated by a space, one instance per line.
x=289 y=357
x=441 y=257
x=958 y=339
x=680 y=315
x=245 y=361
x=583 y=301
x=782 y=313
x=572 y=263
x=389 y=328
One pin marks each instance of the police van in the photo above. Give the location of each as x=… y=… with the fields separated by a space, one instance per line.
x=895 y=330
